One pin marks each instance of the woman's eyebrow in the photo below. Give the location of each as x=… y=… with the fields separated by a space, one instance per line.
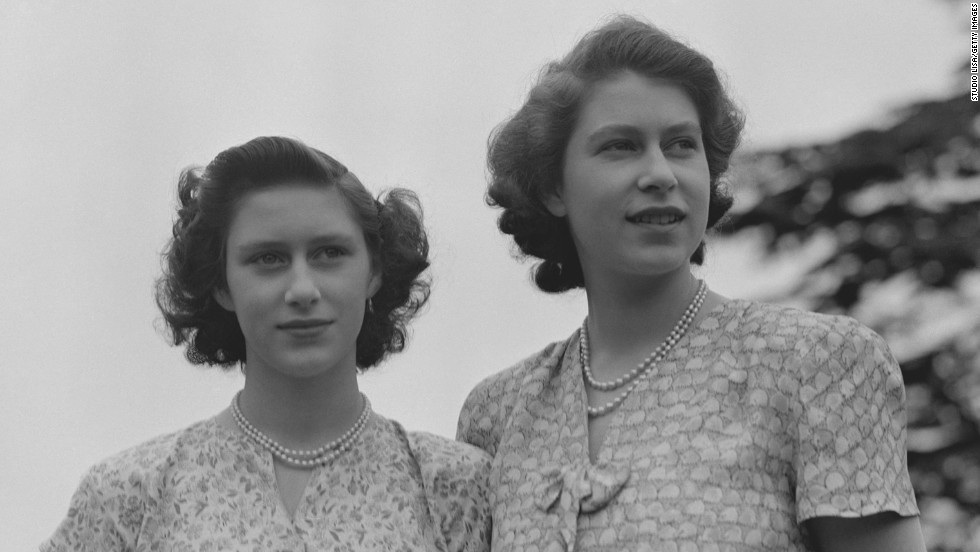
x=613 y=129
x=259 y=244
x=339 y=238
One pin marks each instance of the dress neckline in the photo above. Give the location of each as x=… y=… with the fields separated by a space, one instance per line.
x=570 y=379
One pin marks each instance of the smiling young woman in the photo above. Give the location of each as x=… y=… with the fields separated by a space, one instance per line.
x=635 y=182
x=675 y=418
x=282 y=263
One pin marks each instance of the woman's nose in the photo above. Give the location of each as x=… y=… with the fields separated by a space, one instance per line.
x=302 y=290
x=657 y=173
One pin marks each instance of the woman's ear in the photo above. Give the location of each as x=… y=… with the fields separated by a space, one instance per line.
x=224 y=299
x=374 y=284
x=554 y=203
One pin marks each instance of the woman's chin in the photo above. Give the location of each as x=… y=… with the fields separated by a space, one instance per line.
x=307 y=366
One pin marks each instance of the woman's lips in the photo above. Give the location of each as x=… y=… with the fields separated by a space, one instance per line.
x=305 y=327
x=662 y=216
x=655 y=219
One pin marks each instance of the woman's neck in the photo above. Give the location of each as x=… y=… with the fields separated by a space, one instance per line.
x=627 y=321
x=301 y=413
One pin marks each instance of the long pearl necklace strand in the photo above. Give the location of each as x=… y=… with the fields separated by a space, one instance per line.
x=303 y=458
x=636 y=375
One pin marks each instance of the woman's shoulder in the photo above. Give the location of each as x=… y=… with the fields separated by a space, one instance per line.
x=437 y=457
x=792 y=340
x=789 y=326
x=155 y=454
x=749 y=311
x=445 y=457
x=537 y=365
x=489 y=404
x=455 y=476
x=115 y=493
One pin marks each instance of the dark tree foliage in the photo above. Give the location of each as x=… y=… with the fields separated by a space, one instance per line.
x=901 y=207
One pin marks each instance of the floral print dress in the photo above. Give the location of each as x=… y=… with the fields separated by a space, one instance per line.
x=210 y=488
x=760 y=417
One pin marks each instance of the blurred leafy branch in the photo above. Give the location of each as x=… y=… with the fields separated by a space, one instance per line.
x=891 y=217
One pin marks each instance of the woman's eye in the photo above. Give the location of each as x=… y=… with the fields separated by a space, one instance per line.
x=330 y=252
x=684 y=145
x=267 y=259
x=620 y=145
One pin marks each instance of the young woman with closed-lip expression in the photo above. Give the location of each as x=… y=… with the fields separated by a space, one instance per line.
x=283 y=265
x=299 y=276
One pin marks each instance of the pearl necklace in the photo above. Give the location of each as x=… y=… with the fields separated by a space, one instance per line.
x=636 y=375
x=303 y=458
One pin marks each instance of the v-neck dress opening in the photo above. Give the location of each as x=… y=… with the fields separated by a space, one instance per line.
x=209 y=487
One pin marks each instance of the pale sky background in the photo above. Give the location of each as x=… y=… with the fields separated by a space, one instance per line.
x=103 y=102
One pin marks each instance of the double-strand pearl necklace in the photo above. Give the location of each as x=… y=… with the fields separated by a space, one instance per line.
x=303 y=458
x=636 y=375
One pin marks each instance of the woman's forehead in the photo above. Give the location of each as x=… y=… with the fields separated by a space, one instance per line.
x=292 y=210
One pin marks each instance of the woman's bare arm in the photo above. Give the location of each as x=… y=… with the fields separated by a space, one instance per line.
x=885 y=532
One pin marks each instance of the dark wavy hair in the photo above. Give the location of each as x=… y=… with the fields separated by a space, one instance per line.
x=194 y=259
x=526 y=152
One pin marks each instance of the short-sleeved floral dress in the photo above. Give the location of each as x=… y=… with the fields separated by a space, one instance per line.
x=210 y=488
x=760 y=417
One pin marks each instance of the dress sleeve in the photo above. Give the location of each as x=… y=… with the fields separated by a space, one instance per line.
x=455 y=479
x=488 y=406
x=477 y=424
x=105 y=514
x=851 y=456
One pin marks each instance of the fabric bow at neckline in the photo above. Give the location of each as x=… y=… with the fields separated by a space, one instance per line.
x=565 y=491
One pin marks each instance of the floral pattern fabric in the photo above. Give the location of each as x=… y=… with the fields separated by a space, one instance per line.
x=210 y=488
x=760 y=417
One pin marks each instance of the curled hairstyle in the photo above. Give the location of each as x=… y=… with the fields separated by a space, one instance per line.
x=194 y=259
x=526 y=152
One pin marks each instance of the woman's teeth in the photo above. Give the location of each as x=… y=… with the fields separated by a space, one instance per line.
x=655 y=219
